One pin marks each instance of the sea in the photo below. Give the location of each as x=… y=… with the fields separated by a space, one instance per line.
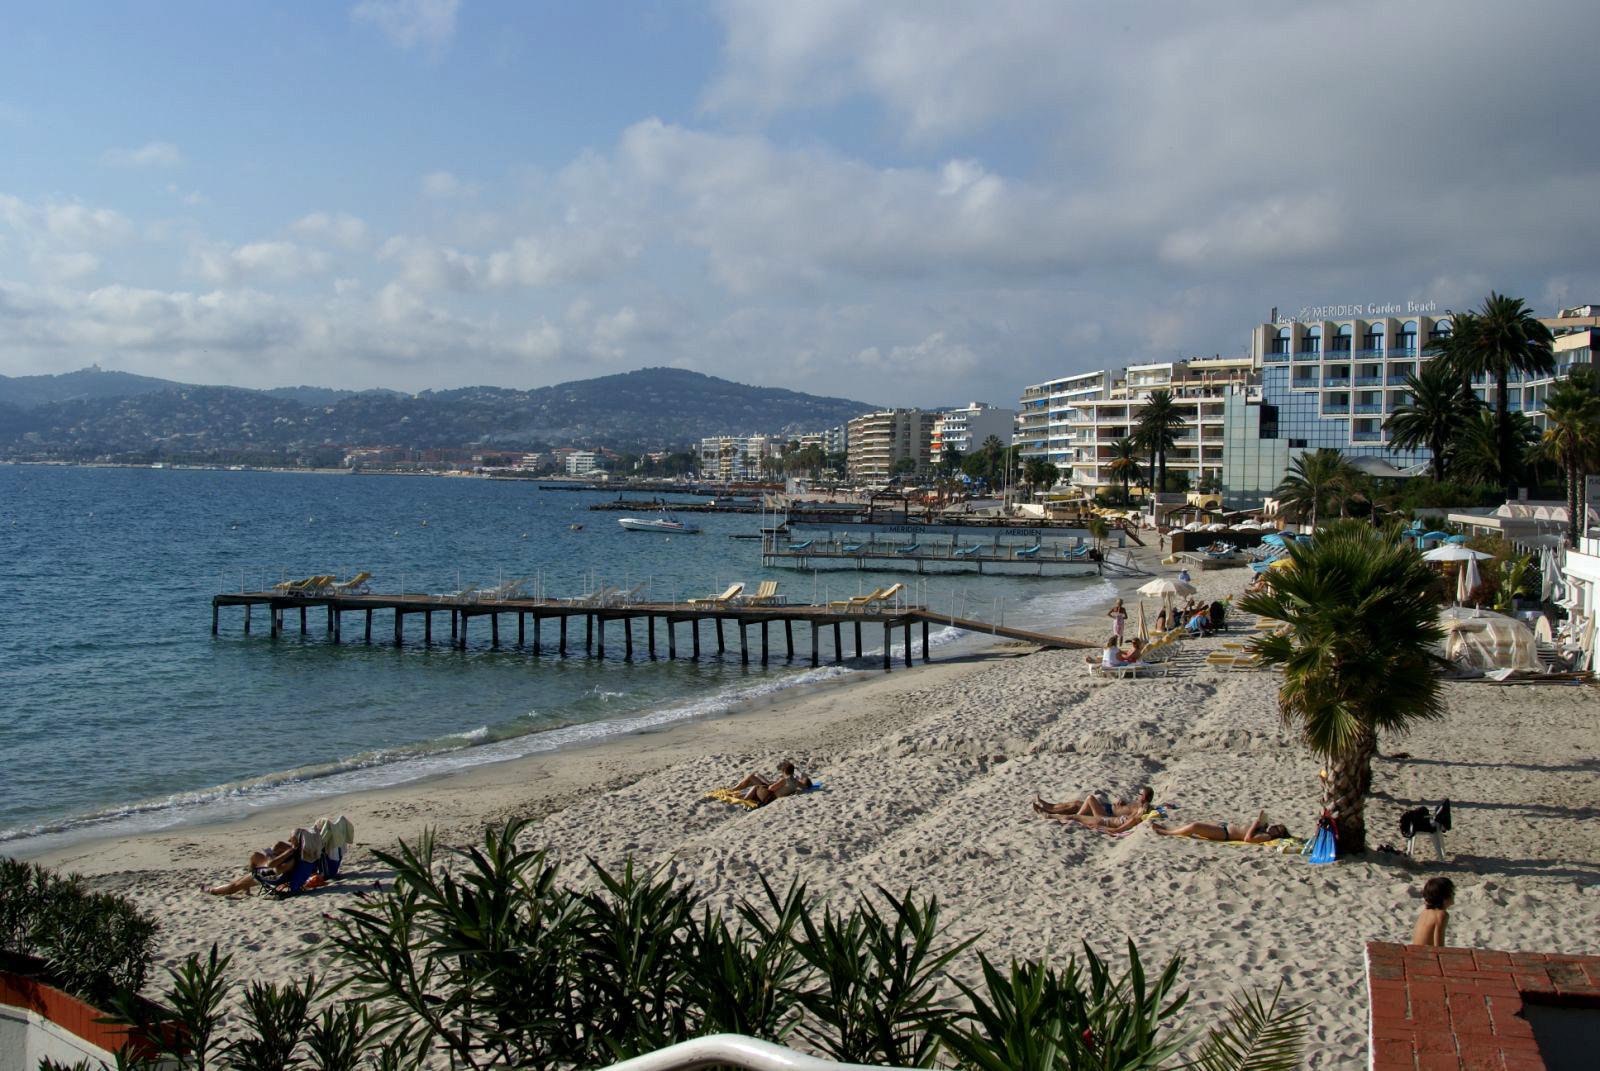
x=121 y=713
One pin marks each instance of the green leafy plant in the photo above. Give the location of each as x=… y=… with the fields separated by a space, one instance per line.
x=95 y=944
x=1258 y=1036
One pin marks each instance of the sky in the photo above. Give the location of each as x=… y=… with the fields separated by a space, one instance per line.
x=904 y=202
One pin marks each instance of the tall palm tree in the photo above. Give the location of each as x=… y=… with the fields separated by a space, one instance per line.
x=1355 y=657
x=1571 y=439
x=1314 y=480
x=1124 y=464
x=1435 y=414
x=1475 y=453
x=1158 y=426
x=1496 y=340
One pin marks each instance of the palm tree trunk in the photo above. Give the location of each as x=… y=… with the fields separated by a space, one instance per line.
x=1161 y=472
x=1502 y=428
x=1345 y=793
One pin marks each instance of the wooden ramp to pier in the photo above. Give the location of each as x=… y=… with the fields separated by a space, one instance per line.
x=595 y=619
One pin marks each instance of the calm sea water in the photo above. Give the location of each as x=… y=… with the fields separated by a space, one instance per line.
x=119 y=710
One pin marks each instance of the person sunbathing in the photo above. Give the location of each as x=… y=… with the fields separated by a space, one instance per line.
x=758 y=788
x=1097 y=804
x=1105 y=823
x=1257 y=832
x=281 y=858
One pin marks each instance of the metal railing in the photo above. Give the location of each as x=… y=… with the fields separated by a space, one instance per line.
x=732 y=1050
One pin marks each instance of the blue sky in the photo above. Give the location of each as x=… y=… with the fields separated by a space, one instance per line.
x=897 y=201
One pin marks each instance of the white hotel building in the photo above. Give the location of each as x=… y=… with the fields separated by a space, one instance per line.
x=968 y=427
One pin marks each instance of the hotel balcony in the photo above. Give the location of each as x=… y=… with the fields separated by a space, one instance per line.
x=1308 y=355
x=1273 y=358
x=1368 y=407
x=1368 y=436
x=1336 y=381
x=1368 y=355
x=1335 y=408
x=1369 y=381
x=1398 y=378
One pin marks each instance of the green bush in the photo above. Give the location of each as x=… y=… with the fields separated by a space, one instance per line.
x=496 y=963
x=95 y=945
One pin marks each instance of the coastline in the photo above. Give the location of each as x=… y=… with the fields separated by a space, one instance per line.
x=928 y=778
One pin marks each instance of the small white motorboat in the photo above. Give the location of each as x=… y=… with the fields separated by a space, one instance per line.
x=666 y=523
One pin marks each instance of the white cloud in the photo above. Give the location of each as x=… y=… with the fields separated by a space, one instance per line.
x=274 y=261
x=408 y=24
x=444 y=186
x=336 y=228
x=150 y=154
x=427 y=266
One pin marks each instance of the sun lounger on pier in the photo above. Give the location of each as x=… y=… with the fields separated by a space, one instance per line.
x=290 y=585
x=966 y=552
x=1028 y=552
x=629 y=597
x=766 y=595
x=598 y=597
x=801 y=546
x=851 y=548
x=356 y=585
x=465 y=594
x=874 y=601
x=316 y=585
x=911 y=548
x=724 y=599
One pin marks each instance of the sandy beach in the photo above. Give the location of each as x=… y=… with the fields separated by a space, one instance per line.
x=929 y=776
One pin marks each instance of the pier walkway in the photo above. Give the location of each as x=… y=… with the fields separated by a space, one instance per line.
x=594 y=619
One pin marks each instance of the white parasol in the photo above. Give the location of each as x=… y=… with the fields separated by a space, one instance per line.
x=1167 y=589
x=1454 y=552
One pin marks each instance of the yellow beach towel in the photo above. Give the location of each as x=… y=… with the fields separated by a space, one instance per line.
x=728 y=795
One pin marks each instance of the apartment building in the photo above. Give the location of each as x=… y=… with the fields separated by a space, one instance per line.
x=835 y=440
x=583 y=463
x=1044 y=415
x=968 y=427
x=736 y=457
x=1199 y=387
x=879 y=441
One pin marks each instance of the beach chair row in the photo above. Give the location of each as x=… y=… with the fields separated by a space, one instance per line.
x=766 y=594
x=872 y=602
x=324 y=584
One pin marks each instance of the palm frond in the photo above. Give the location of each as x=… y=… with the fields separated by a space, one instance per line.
x=1257 y=1036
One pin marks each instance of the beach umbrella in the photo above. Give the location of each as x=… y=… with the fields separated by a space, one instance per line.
x=1455 y=539
x=1454 y=553
x=1433 y=537
x=1167 y=589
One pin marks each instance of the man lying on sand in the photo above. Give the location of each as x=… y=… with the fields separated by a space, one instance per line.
x=761 y=790
x=280 y=857
x=1097 y=804
x=1257 y=832
x=1112 y=823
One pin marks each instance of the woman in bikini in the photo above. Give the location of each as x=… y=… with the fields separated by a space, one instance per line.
x=759 y=789
x=1257 y=832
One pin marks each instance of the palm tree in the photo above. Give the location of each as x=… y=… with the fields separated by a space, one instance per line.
x=1124 y=463
x=1158 y=426
x=1361 y=618
x=1572 y=440
x=1314 y=480
x=1500 y=338
x=1475 y=454
x=1037 y=473
x=1099 y=531
x=1438 y=408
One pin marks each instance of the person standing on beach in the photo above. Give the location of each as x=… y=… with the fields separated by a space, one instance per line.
x=1119 y=619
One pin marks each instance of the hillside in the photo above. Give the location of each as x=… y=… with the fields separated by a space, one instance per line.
x=653 y=408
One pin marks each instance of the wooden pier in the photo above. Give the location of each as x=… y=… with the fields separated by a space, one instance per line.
x=565 y=617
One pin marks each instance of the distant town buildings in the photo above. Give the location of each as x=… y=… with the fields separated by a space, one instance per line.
x=890 y=442
x=583 y=463
x=968 y=427
x=736 y=457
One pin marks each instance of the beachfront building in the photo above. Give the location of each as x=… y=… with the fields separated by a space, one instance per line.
x=1200 y=387
x=968 y=427
x=1331 y=383
x=736 y=457
x=835 y=440
x=583 y=463
x=1044 y=415
x=880 y=442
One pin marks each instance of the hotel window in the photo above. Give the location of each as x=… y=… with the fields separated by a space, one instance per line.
x=1341 y=339
x=1373 y=340
x=1281 y=343
x=1441 y=329
x=1408 y=337
x=1312 y=343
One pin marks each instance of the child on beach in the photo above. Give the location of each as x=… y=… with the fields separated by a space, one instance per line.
x=1119 y=619
x=1437 y=896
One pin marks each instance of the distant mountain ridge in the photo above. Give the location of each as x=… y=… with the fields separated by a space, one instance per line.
x=94 y=413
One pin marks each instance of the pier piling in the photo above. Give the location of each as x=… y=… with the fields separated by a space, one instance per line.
x=627 y=638
x=651 y=628
x=427 y=628
x=838 y=644
x=247 y=620
x=815 y=655
x=522 y=626
x=369 y=626
x=721 y=647
x=888 y=642
x=858 y=639
x=302 y=620
x=924 y=640
x=588 y=634
x=764 y=642
x=672 y=639
x=600 y=635
x=908 y=643
x=399 y=626
x=744 y=642
x=694 y=627
x=563 y=635
x=788 y=639
x=494 y=630
x=536 y=620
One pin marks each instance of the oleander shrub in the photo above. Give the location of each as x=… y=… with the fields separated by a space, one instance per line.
x=495 y=962
x=95 y=945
